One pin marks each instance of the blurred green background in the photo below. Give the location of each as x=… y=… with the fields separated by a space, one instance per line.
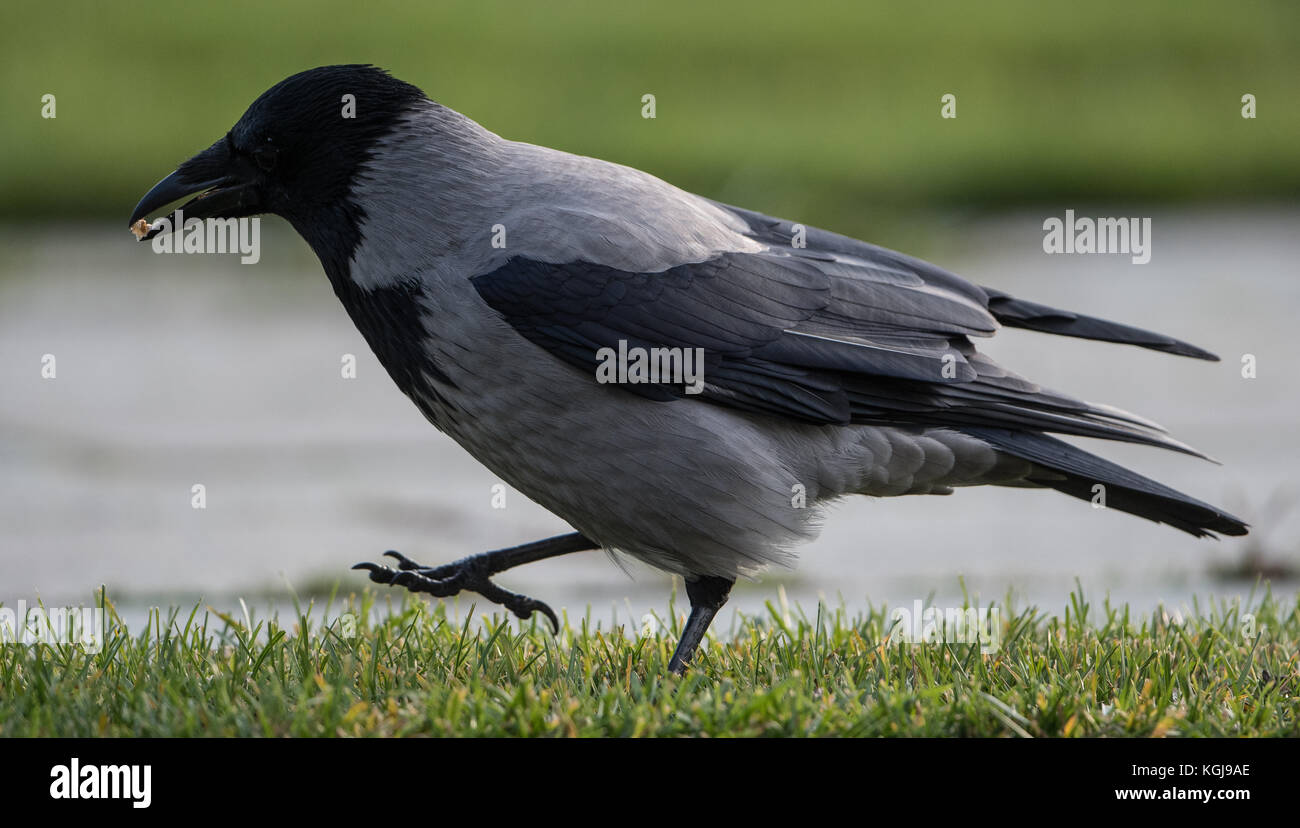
x=828 y=112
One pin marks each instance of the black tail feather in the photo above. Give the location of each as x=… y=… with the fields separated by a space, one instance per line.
x=1075 y=472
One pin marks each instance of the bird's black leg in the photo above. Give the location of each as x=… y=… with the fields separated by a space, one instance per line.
x=474 y=573
x=708 y=594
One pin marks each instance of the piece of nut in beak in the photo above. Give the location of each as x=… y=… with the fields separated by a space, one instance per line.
x=141 y=228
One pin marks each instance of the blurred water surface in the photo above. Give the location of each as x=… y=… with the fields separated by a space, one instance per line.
x=173 y=371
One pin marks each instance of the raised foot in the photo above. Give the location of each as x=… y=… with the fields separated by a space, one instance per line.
x=472 y=573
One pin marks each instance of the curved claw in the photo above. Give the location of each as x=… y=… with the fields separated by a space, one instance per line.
x=534 y=605
x=440 y=573
x=379 y=573
x=403 y=562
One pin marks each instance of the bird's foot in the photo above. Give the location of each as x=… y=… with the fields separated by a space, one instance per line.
x=472 y=573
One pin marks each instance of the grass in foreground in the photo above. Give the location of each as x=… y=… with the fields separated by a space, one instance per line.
x=1091 y=672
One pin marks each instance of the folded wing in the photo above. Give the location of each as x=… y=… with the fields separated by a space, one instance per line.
x=834 y=331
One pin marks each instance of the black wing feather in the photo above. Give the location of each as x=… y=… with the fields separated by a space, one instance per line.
x=1018 y=313
x=839 y=331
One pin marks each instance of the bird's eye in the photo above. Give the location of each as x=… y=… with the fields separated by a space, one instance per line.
x=265 y=156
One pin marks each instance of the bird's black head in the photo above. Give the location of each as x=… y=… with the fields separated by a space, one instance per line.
x=293 y=153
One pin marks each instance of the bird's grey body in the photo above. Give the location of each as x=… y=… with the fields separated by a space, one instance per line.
x=488 y=275
x=689 y=487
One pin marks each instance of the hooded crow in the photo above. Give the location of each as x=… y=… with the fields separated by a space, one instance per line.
x=541 y=308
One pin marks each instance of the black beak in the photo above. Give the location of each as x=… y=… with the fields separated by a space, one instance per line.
x=215 y=176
